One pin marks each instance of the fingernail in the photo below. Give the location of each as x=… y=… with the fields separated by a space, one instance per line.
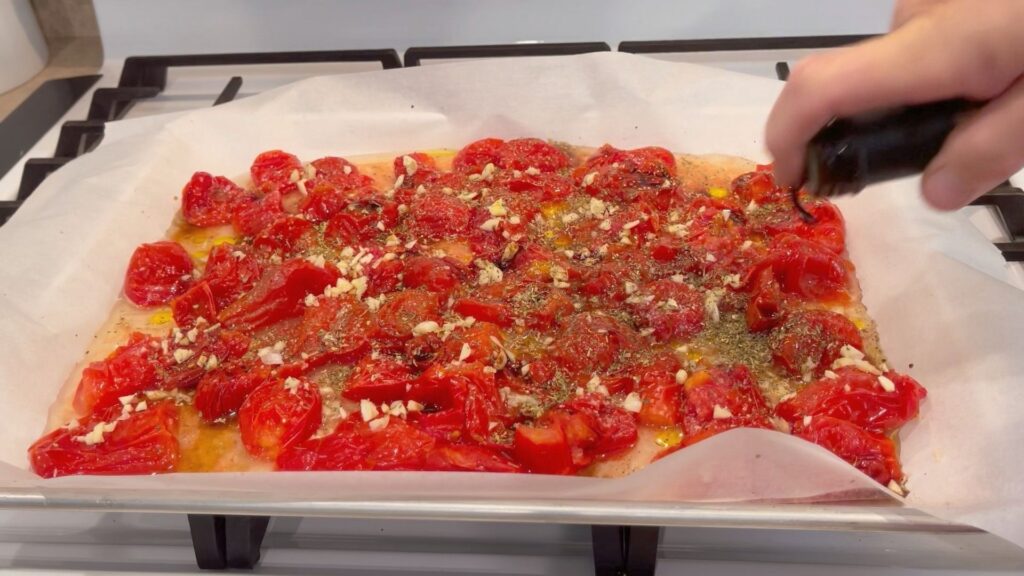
x=945 y=190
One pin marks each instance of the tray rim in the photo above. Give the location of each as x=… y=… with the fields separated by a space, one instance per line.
x=871 y=516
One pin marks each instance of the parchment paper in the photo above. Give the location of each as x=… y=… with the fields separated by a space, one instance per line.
x=939 y=291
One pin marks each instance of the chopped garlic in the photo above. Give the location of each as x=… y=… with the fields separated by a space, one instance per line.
x=490 y=225
x=831 y=375
x=466 y=352
x=498 y=208
x=629 y=287
x=532 y=171
x=896 y=487
x=269 y=356
x=410 y=165
x=630 y=225
x=426 y=327
x=721 y=413
x=632 y=402
x=887 y=384
x=681 y=376
x=367 y=410
x=413 y=406
x=807 y=421
x=378 y=424
x=489 y=273
x=589 y=178
x=182 y=354
x=292 y=384
x=310 y=301
x=597 y=208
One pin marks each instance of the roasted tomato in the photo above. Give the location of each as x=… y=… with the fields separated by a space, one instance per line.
x=721 y=398
x=471 y=457
x=543 y=449
x=381 y=380
x=766 y=307
x=144 y=442
x=758 y=187
x=399 y=315
x=132 y=367
x=285 y=236
x=414 y=169
x=625 y=175
x=220 y=393
x=525 y=153
x=198 y=302
x=481 y=342
x=806 y=268
x=355 y=445
x=878 y=404
x=208 y=200
x=460 y=402
x=615 y=428
x=229 y=272
x=590 y=343
x=476 y=155
x=436 y=215
x=433 y=274
x=334 y=324
x=673 y=310
x=809 y=341
x=782 y=217
x=157 y=273
x=338 y=172
x=255 y=211
x=493 y=311
x=279 y=414
x=273 y=169
x=872 y=454
x=279 y=294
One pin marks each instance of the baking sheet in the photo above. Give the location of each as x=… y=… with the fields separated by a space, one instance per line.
x=939 y=291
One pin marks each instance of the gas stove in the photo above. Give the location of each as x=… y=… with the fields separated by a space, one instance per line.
x=78 y=111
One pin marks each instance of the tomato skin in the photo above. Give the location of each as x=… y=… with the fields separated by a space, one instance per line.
x=871 y=454
x=284 y=236
x=811 y=340
x=353 y=446
x=460 y=401
x=157 y=273
x=475 y=155
x=661 y=405
x=615 y=428
x=624 y=175
x=207 y=200
x=683 y=321
x=591 y=343
x=198 y=302
x=730 y=388
x=221 y=393
x=482 y=338
x=543 y=450
x=781 y=217
x=805 y=268
x=425 y=169
x=349 y=228
x=759 y=187
x=274 y=417
x=278 y=294
x=253 y=213
x=130 y=368
x=399 y=315
x=859 y=398
x=143 y=443
x=323 y=200
x=766 y=307
x=484 y=310
x=523 y=153
x=339 y=173
x=433 y=274
x=471 y=457
x=379 y=381
x=229 y=272
x=435 y=216
x=274 y=168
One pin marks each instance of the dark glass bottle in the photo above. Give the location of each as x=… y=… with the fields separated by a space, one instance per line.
x=851 y=153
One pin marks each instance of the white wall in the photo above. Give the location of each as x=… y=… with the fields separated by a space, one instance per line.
x=195 y=26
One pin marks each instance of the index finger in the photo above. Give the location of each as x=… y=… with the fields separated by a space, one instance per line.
x=942 y=54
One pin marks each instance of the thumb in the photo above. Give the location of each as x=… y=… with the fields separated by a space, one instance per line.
x=979 y=154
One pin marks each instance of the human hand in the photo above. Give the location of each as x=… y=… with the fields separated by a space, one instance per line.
x=938 y=49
